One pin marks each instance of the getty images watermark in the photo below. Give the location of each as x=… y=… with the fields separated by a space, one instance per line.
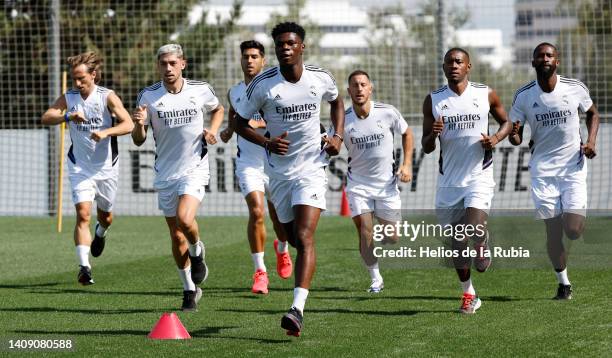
x=386 y=233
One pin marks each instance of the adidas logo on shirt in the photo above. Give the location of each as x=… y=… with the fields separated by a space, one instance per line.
x=314 y=197
x=535 y=105
x=160 y=104
x=278 y=97
x=444 y=107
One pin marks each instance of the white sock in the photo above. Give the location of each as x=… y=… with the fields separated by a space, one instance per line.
x=82 y=252
x=299 y=298
x=467 y=287
x=101 y=230
x=197 y=248
x=283 y=246
x=185 y=275
x=258 y=261
x=562 y=277
x=374 y=272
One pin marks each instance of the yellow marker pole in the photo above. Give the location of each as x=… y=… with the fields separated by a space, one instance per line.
x=60 y=182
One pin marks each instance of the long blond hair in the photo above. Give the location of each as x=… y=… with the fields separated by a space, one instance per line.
x=91 y=60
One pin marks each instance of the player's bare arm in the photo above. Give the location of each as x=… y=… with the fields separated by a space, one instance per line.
x=337 y=118
x=592 y=123
x=124 y=123
x=55 y=113
x=139 y=133
x=405 y=170
x=431 y=128
x=216 y=118
x=227 y=132
x=499 y=114
x=277 y=145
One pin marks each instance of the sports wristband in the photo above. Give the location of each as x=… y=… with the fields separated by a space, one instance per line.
x=339 y=136
x=66 y=118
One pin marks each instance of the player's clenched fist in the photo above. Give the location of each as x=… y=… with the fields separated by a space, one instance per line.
x=77 y=117
x=515 y=128
x=140 y=115
x=589 y=150
x=278 y=145
x=210 y=137
x=98 y=136
x=438 y=126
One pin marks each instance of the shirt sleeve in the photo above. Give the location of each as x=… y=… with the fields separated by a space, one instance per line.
x=585 y=101
x=210 y=100
x=399 y=124
x=251 y=101
x=330 y=89
x=516 y=112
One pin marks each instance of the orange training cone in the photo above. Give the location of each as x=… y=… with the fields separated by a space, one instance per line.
x=344 y=206
x=169 y=327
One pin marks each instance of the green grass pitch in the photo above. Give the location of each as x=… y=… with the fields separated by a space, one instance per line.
x=136 y=281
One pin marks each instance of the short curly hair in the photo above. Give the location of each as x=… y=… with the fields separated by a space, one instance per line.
x=284 y=27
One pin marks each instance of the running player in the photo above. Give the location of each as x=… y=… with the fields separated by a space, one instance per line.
x=93 y=155
x=253 y=180
x=290 y=96
x=550 y=106
x=369 y=130
x=458 y=115
x=175 y=108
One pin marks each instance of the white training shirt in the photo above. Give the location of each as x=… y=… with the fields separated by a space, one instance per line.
x=295 y=108
x=371 y=154
x=249 y=153
x=463 y=160
x=86 y=156
x=177 y=120
x=555 y=125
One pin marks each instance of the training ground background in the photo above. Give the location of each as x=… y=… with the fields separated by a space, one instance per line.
x=136 y=281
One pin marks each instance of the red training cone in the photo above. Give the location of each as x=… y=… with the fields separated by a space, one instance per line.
x=169 y=327
x=344 y=206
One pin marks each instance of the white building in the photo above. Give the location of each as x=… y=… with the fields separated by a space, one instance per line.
x=486 y=44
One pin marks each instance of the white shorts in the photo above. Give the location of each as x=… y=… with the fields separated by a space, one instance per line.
x=553 y=196
x=252 y=179
x=451 y=202
x=309 y=190
x=87 y=189
x=192 y=184
x=385 y=208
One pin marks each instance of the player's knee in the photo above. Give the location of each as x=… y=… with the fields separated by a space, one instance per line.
x=82 y=216
x=573 y=231
x=184 y=223
x=303 y=240
x=257 y=214
x=177 y=237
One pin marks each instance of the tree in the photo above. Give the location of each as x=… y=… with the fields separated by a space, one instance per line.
x=585 y=49
x=125 y=33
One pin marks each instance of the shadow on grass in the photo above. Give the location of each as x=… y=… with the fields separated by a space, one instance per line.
x=383 y=296
x=207 y=332
x=343 y=310
x=30 y=285
x=83 y=310
x=277 y=289
x=58 y=291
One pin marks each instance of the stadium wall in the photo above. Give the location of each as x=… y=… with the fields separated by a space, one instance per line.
x=137 y=197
